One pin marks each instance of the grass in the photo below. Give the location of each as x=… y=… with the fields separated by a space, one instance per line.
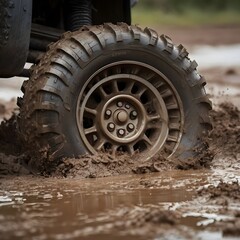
x=190 y=17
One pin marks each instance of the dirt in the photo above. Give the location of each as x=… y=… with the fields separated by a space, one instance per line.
x=201 y=201
x=202 y=35
x=222 y=190
x=222 y=144
x=225 y=195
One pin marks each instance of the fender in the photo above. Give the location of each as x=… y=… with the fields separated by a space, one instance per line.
x=15 y=28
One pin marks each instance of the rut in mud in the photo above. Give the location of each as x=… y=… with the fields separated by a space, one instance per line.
x=222 y=143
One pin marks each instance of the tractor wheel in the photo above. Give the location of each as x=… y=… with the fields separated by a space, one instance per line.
x=115 y=88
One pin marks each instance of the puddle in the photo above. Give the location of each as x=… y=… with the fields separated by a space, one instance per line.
x=110 y=208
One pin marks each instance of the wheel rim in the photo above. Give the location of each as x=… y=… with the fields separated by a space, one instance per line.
x=129 y=107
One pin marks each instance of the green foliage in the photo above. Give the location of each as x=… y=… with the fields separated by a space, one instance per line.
x=182 y=5
x=186 y=12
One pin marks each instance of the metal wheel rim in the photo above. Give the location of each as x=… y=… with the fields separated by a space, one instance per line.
x=104 y=124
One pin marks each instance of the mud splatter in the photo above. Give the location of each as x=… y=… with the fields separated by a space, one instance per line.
x=12 y=159
x=223 y=143
x=10 y=142
x=225 y=138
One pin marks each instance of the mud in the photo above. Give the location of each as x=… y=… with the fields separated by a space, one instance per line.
x=228 y=190
x=225 y=196
x=166 y=205
x=101 y=197
x=225 y=138
x=104 y=164
x=221 y=149
x=156 y=201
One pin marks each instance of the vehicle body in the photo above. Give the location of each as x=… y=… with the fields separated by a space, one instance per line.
x=27 y=27
x=99 y=83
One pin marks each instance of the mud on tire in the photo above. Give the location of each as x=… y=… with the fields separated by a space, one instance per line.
x=115 y=88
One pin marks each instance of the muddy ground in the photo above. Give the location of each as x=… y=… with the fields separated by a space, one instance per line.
x=157 y=199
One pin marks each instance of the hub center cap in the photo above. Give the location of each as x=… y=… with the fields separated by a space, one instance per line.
x=121 y=117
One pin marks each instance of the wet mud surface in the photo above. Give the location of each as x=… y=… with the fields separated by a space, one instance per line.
x=169 y=205
x=101 y=197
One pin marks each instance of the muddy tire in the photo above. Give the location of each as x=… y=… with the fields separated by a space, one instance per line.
x=115 y=88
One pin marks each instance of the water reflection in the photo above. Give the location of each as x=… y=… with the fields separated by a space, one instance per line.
x=68 y=209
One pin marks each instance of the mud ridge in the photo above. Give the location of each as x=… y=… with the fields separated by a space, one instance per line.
x=225 y=137
x=225 y=195
x=228 y=190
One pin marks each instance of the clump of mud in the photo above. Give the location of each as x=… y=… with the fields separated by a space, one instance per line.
x=229 y=190
x=203 y=158
x=225 y=137
x=104 y=164
x=232 y=228
x=11 y=155
x=226 y=197
x=10 y=142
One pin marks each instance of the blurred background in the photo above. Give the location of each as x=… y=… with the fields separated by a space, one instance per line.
x=187 y=12
x=210 y=30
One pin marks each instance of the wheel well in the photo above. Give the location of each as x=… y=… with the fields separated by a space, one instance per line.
x=111 y=11
x=53 y=13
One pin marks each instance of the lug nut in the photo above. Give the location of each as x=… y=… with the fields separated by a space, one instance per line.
x=130 y=127
x=119 y=104
x=121 y=132
x=127 y=106
x=111 y=127
x=133 y=115
x=108 y=113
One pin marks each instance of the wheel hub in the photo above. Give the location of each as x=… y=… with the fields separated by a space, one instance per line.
x=123 y=118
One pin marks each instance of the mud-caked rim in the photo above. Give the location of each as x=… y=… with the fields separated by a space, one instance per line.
x=129 y=107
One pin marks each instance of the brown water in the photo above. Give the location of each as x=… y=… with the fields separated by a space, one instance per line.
x=108 y=208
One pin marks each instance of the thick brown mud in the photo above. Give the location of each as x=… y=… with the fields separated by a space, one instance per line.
x=74 y=201
x=221 y=149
